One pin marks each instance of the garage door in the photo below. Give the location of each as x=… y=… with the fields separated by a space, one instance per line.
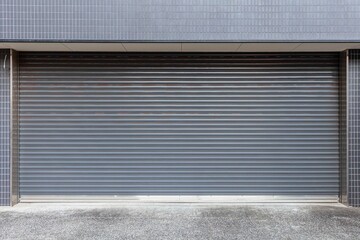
x=178 y=124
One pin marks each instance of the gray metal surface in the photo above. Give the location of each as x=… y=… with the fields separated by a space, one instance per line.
x=179 y=124
x=14 y=121
x=180 y=20
x=343 y=127
x=5 y=99
x=353 y=107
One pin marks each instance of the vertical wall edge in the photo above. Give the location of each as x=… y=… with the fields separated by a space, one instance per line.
x=14 y=128
x=353 y=125
x=5 y=166
x=343 y=127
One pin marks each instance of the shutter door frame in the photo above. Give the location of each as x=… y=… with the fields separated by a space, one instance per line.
x=105 y=124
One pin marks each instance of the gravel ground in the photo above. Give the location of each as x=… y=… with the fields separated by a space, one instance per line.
x=179 y=221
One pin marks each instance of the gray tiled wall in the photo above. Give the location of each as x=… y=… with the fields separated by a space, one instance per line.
x=14 y=78
x=180 y=20
x=353 y=117
x=5 y=128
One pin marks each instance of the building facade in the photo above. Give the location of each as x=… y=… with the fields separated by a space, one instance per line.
x=184 y=100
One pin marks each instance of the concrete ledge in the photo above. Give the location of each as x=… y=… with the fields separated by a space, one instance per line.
x=183 y=199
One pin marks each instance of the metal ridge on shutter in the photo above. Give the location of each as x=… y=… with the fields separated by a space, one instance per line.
x=179 y=124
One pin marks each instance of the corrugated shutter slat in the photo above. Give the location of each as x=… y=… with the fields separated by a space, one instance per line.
x=178 y=124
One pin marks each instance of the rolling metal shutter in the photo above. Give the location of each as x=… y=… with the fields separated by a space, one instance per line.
x=178 y=124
